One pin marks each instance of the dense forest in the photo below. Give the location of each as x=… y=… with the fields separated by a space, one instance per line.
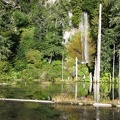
x=33 y=45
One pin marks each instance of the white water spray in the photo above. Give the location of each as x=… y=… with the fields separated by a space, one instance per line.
x=84 y=37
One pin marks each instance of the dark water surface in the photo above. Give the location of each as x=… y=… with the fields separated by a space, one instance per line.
x=38 y=111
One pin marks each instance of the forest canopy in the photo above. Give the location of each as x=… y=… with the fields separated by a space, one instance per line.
x=32 y=44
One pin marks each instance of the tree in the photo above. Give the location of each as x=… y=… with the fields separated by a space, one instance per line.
x=76 y=8
x=107 y=51
x=49 y=30
x=8 y=33
x=110 y=35
x=6 y=30
x=115 y=21
x=20 y=19
x=5 y=45
x=115 y=26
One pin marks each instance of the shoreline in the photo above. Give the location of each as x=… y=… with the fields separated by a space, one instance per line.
x=94 y=104
x=75 y=102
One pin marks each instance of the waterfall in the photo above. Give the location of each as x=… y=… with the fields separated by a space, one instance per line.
x=84 y=37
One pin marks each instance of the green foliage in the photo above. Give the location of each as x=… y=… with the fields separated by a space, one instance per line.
x=105 y=90
x=70 y=70
x=8 y=34
x=26 y=44
x=74 y=47
x=13 y=75
x=19 y=65
x=83 y=73
x=5 y=45
x=27 y=38
x=107 y=51
x=110 y=36
x=90 y=6
x=105 y=77
x=33 y=57
x=48 y=112
x=31 y=34
x=76 y=7
x=94 y=24
x=49 y=31
x=40 y=95
x=27 y=6
x=53 y=70
x=115 y=22
x=30 y=73
x=4 y=66
x=20 y=19
x=6 y=22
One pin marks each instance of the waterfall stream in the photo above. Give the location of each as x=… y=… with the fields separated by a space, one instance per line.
x=84 y=37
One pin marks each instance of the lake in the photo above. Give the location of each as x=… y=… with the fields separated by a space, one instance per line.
x=38 y=111
x=10 y=110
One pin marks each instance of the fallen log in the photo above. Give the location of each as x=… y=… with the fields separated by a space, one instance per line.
x=26 y=100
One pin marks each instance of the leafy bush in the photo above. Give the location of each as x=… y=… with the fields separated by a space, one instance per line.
x=20 y=65
x=40 y=95
x=4 y=66
x=34 y=57
x=27 y=38
x=105 y=77
x=54 y=70
x=30 y=73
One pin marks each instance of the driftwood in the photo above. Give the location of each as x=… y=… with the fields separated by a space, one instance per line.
x=26 y=100
x=102 y=105
x=50 y=102
x=118 y=106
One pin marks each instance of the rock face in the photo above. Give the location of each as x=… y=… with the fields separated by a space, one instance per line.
x=51 y=2
x=67 y=34
x=12 y=2
x=6 y=1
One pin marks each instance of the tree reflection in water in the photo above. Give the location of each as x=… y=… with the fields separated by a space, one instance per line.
x=35 y=111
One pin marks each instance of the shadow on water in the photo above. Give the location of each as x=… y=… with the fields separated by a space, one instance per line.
x=35 y=111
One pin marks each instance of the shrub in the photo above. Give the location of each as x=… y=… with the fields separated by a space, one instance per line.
x=4 y=66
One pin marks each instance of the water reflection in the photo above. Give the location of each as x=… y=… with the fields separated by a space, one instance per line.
x=96 y=91
x=30 y=111
x=71 y=112
x=35 y=111
x=119 y=92
x=97 y=114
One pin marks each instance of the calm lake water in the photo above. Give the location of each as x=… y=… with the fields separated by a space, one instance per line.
x=42 y=91
x=35 y=111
